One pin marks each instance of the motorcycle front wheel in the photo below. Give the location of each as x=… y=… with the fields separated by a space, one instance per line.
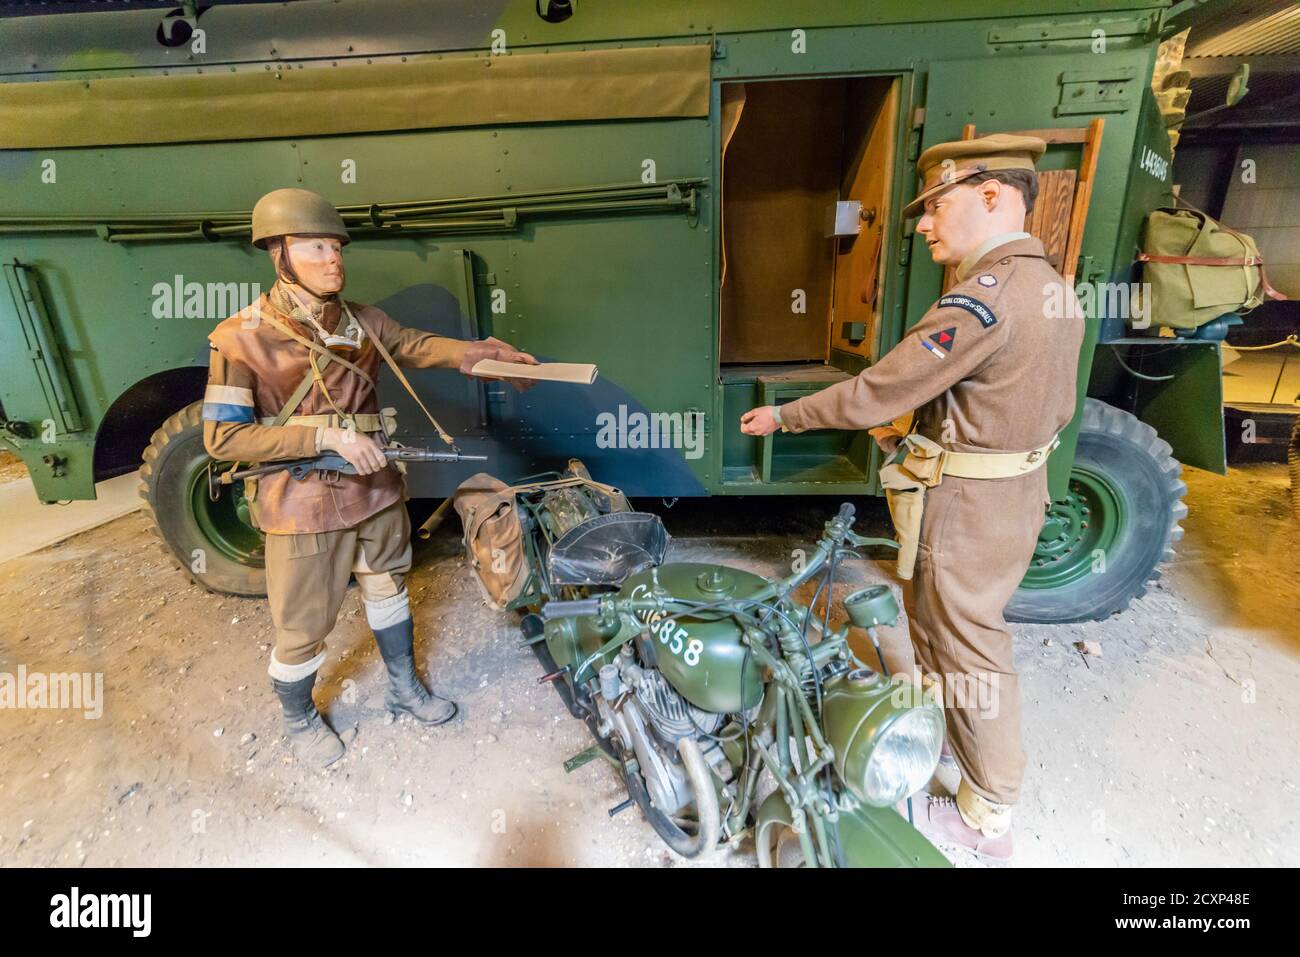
x=778 y=847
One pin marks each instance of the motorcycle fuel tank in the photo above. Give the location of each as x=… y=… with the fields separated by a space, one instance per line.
x=701 y=653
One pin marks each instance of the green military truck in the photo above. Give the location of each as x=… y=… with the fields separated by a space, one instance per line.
x=701 y=198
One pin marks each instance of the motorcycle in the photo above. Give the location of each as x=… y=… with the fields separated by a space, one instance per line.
x=727 y=706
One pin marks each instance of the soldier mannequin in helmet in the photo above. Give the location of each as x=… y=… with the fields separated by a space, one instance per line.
x=991 y=375
x=292 y=376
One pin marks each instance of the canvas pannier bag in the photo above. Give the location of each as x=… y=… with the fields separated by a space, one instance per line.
x=494 y=538
x=1198 y=269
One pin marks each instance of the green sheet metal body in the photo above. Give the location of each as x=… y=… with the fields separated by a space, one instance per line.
x=481 y=226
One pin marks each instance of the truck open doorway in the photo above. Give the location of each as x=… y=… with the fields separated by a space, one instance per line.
x=800 y=306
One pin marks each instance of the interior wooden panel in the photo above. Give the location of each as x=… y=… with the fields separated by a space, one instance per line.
x=1064 y=196
x=1050 y=220
x=781 y=174
x=790 y=150
x=871 y=114
x=733 y=105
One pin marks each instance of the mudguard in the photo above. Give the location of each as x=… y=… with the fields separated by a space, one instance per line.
x=869 y=836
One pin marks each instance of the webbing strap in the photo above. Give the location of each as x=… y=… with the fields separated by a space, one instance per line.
x=1200 y=260
x=1265 y=286
x=363 y=421
x=401 y=377
x=295 y=399
x=319 y=349
x=560 y=483
x=314 y=373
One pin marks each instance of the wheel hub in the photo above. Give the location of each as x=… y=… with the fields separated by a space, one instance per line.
x=226 y=523
x=1076 y=532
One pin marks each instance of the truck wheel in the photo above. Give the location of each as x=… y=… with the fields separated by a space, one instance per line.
x=215 y=542
x=1100 y=545
x=1293 y=463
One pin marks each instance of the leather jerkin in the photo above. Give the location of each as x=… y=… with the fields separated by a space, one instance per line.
x=255 y=355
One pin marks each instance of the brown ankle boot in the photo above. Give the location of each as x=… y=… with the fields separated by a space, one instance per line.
x=946 y=823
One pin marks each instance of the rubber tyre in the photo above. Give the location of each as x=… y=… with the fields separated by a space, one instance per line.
x=1124 y=454
x=1293 y=464
x=174 y=461
x=777 y=847
x=688 y=845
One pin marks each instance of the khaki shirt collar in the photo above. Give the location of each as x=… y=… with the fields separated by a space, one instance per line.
x=968 y=264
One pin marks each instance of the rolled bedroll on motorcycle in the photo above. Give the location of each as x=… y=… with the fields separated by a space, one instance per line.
x=728 y=707
x=537 y=173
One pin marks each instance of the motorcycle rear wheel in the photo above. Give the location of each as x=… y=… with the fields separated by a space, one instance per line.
x=690 y=838
x=578 y=708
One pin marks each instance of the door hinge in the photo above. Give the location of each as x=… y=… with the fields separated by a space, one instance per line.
x=915 y=134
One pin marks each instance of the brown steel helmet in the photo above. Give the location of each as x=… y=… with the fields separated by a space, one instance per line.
x=295 y=212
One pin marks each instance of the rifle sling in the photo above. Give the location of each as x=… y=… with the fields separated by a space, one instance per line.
x=401 y=377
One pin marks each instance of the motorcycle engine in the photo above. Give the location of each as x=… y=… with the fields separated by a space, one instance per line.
x=652 y=719
x=670 y=715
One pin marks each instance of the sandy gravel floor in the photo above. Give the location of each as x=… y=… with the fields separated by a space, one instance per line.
x=1176 y=746
x=11 y=467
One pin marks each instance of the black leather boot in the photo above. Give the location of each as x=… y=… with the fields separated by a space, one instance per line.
x=313 y=741
x=405 y=692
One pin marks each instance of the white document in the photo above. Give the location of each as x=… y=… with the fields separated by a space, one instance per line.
x=578 y=373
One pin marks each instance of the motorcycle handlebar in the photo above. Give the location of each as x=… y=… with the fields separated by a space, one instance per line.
x=846 y=513
x=571 y=609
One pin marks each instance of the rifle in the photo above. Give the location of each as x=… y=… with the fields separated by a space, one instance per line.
x=330 y=462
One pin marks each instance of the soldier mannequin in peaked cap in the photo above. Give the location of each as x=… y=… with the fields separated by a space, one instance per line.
x=990 y=374
x=324 y=529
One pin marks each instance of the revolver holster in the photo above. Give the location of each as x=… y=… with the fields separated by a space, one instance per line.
x=917 y=466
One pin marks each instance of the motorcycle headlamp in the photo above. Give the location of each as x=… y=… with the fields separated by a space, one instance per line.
x=886 y=735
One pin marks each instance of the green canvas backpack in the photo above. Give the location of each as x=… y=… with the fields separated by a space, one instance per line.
x=1198 y=269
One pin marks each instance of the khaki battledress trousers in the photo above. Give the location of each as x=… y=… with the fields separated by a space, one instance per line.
x=307 y=579
x=977 y=539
